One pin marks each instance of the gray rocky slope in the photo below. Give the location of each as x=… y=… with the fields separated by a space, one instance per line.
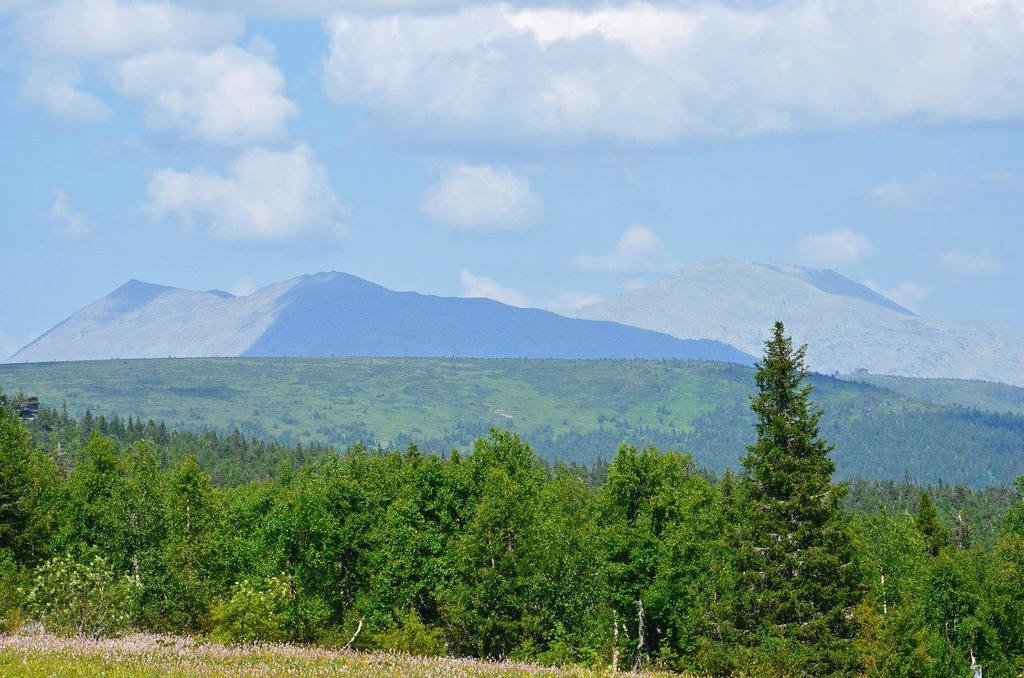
x=846 y=325
x=339 y=314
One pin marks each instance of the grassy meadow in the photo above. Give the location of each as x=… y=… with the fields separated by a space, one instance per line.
x=390 y=396
x=38 y=654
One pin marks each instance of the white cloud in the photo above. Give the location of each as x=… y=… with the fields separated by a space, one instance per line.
x=571 y=300
x=105 y=29
x=263 y=48
x=322 y=9
x=971 y=263
x=67 y=222
x=228 y=96
x=653 y=74
x=638 y=250
x=267 y=197
x=244 y=286
x=57 y=93
x=908 y=193
x=481 y=198
x=479 y=286
x=907 y=294
x=834 y=248
x=63 y=43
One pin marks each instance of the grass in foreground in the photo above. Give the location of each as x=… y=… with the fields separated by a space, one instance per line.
x=39 y=654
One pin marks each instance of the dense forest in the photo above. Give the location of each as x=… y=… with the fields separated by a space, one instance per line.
x=645 y=561
x=234 y=459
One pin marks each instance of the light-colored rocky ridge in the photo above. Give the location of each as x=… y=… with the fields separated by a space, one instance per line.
x=845 y=325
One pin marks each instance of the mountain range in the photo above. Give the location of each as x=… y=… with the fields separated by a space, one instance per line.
x=339 y=314
x=847 y=327
x=719 y=309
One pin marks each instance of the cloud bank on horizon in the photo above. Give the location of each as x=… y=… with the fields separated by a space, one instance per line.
x=568 y=149
x=634 y=74
x=650 y=75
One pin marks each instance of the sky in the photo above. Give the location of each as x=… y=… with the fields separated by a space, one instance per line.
x=542 y=154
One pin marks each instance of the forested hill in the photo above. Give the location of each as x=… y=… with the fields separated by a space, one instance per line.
x=980 y=395
x=571 y=410
x=234 y=459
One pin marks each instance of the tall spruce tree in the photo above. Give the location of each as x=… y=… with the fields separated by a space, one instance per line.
x=935 y=535
x=797 y=579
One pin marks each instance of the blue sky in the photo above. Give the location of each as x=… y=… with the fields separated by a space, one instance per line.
x=542 y=154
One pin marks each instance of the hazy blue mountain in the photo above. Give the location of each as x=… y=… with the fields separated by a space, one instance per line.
x=339 y=314
x=847 y=326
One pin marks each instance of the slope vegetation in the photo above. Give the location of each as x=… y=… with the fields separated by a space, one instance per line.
x=979 y=395
x=571 y=410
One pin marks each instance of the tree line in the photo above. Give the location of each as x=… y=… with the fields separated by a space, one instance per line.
x=647 y=562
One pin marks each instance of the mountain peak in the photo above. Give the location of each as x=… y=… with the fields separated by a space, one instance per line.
x=723 y=261
x=334 y=313
x=831 y=282
x=337 y=280
x=825 y=280
x=134 y=294
x=134 y=285
x=221 y=293
x=845 y=324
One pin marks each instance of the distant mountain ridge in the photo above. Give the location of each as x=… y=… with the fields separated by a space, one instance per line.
x=846 y=325
x=831 y=282
x=339 y=314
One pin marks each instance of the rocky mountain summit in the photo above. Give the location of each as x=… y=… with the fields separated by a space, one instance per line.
x=339 y=314
x=846 y=325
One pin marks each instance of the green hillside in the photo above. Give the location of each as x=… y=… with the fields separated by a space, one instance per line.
x=981 y=395
x=573 y=410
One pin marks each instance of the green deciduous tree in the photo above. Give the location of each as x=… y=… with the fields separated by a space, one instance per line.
x=253 y=612
x=661 y=532
x=488 y=605
x=187 y=557
x=82 y=597
x=15 y=446
x=92 y=488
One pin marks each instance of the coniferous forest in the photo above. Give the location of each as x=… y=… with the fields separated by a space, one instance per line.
x=644 y=562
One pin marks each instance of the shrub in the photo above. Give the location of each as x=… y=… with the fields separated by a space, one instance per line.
x=254 y=612
x=310 y=618
x=412 y=636
x=82 y=598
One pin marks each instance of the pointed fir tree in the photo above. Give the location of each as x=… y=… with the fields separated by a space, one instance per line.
x=797 y=581
x=935 y=536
